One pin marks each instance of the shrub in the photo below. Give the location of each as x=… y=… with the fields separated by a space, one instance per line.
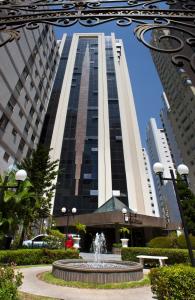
x=161 y=242
x=80 y=228
x=124 y=231
x=9 y=282
x=171 y=241
x=175 y=282
x=54 y=242
x=182 y=242
x=117 y=245
x=57 y=233
x=36 y=256
x=55 y=239
x=175 y=256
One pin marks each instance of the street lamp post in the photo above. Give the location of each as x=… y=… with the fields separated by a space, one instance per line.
x=67 y=212
x=183 y=171
x=130 y=217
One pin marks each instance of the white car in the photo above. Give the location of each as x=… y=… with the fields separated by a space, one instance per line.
x=36 y=242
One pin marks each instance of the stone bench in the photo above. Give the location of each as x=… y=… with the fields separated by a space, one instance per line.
x=160 y=258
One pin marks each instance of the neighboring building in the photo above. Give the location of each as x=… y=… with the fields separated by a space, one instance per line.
x=91 y=125
x=158 y=151
x=179 y=86
x=151 y=188
x=173 y=146
x=27 y=72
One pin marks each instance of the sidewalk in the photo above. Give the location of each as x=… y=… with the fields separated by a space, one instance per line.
x=31 y=284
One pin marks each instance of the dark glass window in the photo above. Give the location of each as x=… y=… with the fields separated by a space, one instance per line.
x=3 y=122
x=21 y=145
x=11 y=104
x=25 y=72
x=19 y=86
x=6 y=156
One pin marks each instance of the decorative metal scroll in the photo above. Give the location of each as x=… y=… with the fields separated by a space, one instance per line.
x=171 y=22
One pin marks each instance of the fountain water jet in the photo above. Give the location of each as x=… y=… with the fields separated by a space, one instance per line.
x=97 y=271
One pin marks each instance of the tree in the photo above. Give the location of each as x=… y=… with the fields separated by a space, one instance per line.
x=41 y=172
x=16 y=206
x=124 y=231
x=80 y=228
x=187 y=199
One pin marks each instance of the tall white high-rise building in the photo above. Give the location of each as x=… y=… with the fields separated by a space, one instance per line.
x=158 y=151
x=168 y=129
x=27 y=71
x=151 y=187
x=91 y=125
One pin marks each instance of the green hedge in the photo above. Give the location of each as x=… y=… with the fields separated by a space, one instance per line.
x=173 y=283
x=162 y=242
x=175 y=256
x=171 y=241
x=35 y=256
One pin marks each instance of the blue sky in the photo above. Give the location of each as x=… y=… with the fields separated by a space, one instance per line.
x=146 y=85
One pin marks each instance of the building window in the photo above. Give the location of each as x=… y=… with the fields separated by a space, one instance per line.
x=19 y=86
x=31 y=85
x=40 y=63
x=87 y=176
x=11 y=104
x=31 y=60
x=6 y=156
x=93 y=192
x=29 y=152
x=116 y=193
x=26 y=128
x=37 y=122
x=21 y=145
x=20 y=114
x=3 y=122
x=26 y=100
x=40 y=85
x=118 y=138
x=14 y=133
x=32 y=138
x=36 y=73
x=36 y=98
x=25 y=73
x=32 y=111
x=41 y=108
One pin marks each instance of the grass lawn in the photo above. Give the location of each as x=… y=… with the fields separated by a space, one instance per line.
x=49 y=278
x=26 y=296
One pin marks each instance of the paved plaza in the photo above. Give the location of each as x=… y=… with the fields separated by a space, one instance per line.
x=31 y=284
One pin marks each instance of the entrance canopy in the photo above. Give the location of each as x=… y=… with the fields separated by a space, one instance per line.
x=113 y=204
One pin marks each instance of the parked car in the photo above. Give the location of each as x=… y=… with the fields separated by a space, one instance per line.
x=36 y=242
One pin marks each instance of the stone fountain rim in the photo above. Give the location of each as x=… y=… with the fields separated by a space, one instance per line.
x=133 y=266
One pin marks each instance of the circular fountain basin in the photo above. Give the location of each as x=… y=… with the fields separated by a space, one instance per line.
x=88 y=271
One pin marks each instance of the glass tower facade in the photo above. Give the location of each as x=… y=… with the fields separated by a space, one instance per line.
x=86 y=127
x=116 y=145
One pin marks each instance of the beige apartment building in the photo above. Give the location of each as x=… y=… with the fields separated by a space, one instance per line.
x=179 y=87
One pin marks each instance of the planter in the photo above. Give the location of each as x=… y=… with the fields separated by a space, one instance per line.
x=116 y=250
x=124 y=243
x=76 y=241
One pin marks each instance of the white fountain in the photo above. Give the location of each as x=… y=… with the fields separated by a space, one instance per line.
x=97 y=270
x=99 y=247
